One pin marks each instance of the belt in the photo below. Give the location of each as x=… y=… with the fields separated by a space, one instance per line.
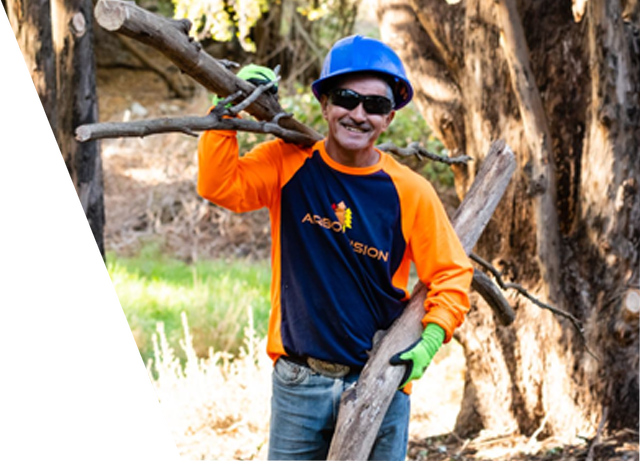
x=322 y=367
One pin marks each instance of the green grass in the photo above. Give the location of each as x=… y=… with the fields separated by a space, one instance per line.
x=217 y=297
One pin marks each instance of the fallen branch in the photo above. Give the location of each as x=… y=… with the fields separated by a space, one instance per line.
x=171 y=38
x=493 y=296
x=364 y=404
x=414 y=148
x=220 y=118
x=186 y=125
x=522 y=291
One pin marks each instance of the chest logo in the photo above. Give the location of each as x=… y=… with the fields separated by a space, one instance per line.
x=344 y=215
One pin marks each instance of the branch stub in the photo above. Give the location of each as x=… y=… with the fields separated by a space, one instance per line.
x=631 y=306
x=110 y=15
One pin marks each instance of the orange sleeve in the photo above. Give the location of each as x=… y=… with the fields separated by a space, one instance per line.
x=237 y=183
x=435 y=249
x=441 y=263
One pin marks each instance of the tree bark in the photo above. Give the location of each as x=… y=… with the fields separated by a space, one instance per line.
x=50 y=339
x=587 y=76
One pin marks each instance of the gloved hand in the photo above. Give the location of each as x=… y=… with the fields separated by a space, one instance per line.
x=418 y=356
x=259 y=75
x=252 y=73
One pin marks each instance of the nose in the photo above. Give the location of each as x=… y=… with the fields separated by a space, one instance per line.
x=358 y=113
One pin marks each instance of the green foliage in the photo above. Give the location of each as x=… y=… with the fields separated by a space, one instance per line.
x=222 y=19
x=216 y=295
x=162 y=7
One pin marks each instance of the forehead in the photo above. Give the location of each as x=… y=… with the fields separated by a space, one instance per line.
x=364 y=84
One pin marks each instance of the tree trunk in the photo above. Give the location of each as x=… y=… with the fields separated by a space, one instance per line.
x=52 y=215
x=468 y=62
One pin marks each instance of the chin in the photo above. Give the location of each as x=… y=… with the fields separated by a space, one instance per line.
x=355 y=143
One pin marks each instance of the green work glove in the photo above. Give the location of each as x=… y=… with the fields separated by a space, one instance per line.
x=258 y=75
x=418 y=356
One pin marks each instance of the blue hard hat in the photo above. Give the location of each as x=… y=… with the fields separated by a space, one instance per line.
x=357 y=54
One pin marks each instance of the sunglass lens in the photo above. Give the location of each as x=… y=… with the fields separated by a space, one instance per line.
x=349 y=99
x=345 y=98
x=377 y=105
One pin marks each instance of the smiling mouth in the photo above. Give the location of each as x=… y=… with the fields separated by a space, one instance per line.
x=354 y=129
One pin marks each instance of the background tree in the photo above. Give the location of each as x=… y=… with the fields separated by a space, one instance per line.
x=294 y=34
x=51 y=213
x=560 y=83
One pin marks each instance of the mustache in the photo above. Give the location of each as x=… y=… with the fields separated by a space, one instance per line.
x=350 y=122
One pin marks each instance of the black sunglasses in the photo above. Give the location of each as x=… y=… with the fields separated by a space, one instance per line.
x=349 y=99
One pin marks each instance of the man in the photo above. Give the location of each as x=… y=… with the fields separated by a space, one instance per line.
x=346 y=222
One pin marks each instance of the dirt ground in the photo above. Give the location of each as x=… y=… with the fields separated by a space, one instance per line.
x=150 y=199
x=620 y=446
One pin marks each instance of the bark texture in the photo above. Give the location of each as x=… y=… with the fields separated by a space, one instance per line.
x=560 y=82
x=52 y=214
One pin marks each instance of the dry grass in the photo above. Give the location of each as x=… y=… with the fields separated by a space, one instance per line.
x=218 y=407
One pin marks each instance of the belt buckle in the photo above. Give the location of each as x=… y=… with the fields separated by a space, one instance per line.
x=328 y=369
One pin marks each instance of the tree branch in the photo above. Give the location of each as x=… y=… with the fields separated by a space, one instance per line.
x=188 y=125
x=414 y=148
x=493 y=296
x=171 y=38
x=522 y=291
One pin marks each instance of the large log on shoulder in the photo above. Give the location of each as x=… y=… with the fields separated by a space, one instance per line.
x=171 y=37
x=364 y=405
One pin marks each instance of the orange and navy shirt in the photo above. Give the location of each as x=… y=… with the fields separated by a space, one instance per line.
x=342 y=242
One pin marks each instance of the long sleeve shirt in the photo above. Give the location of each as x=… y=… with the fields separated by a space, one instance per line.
x=342 y=243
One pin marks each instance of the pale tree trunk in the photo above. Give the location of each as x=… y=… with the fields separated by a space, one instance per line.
x=571 y=116
x=52 y=215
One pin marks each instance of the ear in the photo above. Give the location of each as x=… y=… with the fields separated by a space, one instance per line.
x=389 y=118
x=324 y=104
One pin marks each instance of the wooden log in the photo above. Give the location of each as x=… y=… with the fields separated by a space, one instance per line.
x=364 y=405
x=171 y=38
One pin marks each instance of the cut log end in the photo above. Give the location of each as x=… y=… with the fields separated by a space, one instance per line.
x=631 y=306
x=110 y=14
x=78 y=25
x=48 y=281
x=83 y=133
x=48 y=397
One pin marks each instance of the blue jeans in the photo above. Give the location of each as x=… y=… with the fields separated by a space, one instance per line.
x=304 y=410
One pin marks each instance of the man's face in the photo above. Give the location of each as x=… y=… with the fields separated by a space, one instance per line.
x=355 y=131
